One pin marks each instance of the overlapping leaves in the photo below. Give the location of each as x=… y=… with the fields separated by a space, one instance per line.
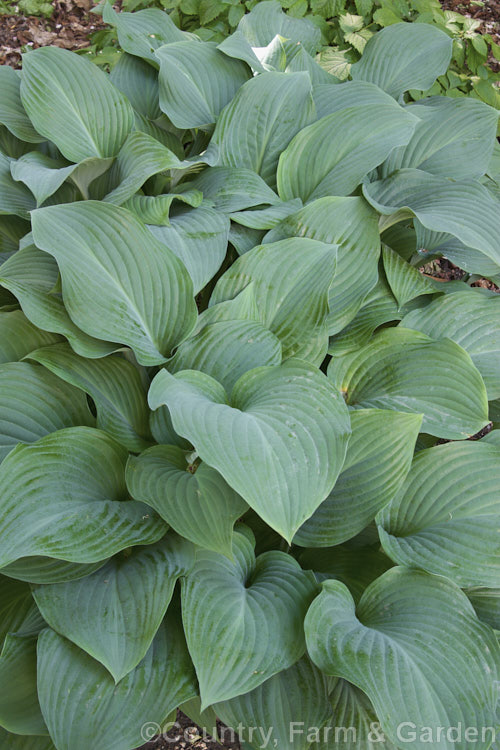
x=213 y=318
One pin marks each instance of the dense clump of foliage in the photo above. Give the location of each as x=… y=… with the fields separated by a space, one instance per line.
x=233 y=412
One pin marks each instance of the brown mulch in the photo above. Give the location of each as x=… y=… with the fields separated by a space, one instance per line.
x=185 y=735
x=69 y=28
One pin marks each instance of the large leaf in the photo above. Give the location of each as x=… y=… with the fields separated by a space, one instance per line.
x=405 y=281
x=118 y=282
x=227 y=349
x=260 y=122
x=443 y=661
x=233 y=188
x=19 y=707
x=12 y=112
x=24 y=742
x=115 y=386
x=282 y=435
x=473 y=321
x=56 y=80
x=18 y=612
x=352 y=225
x=354 y=724
x=143 y=32
x=138 y=80
x=52 y=505
x=39 y=569
x=34 y=403
x=378 y=459
x=486 y=602
x=115 y=613
x=445 y=517
x=253 y=610
x=267 y=20
x=80 y=700
x=283 y=273
x=196 y=82
x=284 y=710
x=407 y=371
x=404 y=56
x=199 y=238
x=19 y=337
x=463 y=209
x=15 y=198
x=32 y=276
x=194 y=499
x=453 y=138
x=331 y=156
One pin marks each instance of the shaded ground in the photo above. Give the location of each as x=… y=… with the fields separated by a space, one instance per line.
x=187 y=736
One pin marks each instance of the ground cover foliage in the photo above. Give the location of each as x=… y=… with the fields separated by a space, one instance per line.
x=234 y=414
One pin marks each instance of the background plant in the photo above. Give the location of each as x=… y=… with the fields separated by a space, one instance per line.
x=234 y=415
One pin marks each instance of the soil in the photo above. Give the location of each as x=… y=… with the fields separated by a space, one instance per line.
x=187 y=736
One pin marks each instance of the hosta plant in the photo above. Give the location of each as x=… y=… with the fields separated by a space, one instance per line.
x=235 y=469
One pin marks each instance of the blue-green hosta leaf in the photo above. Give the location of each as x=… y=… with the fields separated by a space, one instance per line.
x=44 y=175
x=195 y=500
x=463 y=209
x=379 y=307
x=140 y=157
x=155 y=209
x=233 y=188
x=405 y=281
x=352 y=225
x=18 y=612
x=260 y=122
x=19 y=337
x=115 y=613
x=253 y=610
x=197 y=81
x=12 y=112
x=34 y=403
x=39 y=569
x=56 y=80
x=283 y=434
x=15 y=198
x=115 y=386
x=138 y=80
x=269 y=217
x=404 y=56
x=378 y=459
x=407 y=371
x=143 y=32
x=267 y=20
x=486 y=602
x=355 y=566
x=242 y=307
x=227 y=349
x=453 y=138
x=244 y=239
x=118 y=282
x=32 y=275
x=446 y=515
x=443 y=660
x=283 y=273
x=328 y=100
x=331 y=156
x=284 y=709
x=53 y=505
x=19 y=707
x=80 y=700
x=23 y=742
x=12 y=230
x=354 y=724
x=199 y=237
x=473 y=321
